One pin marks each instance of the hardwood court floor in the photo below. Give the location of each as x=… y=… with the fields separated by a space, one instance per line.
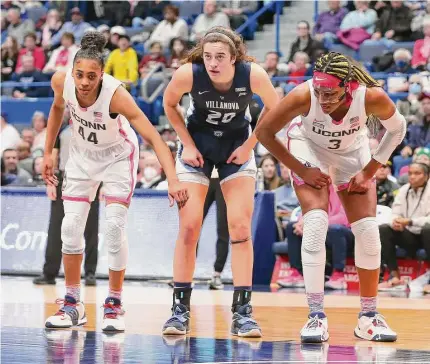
x=280 y=314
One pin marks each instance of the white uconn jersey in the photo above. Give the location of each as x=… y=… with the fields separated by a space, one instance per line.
x=93 y=127
x=341 y=136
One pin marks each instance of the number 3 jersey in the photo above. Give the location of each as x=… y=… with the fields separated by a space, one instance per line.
x=95 y=128
x=222 y=114
x=341 y=136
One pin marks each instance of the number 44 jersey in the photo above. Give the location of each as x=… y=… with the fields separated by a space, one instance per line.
x=220 y=113
x=340 y=136
x=94 y=127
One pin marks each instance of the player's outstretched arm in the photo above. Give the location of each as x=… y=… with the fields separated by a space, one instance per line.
x=123 y=103
x=55 y=119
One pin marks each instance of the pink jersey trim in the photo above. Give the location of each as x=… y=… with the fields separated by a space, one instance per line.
x=76 y=198
x=111 y=199
x=131 y=160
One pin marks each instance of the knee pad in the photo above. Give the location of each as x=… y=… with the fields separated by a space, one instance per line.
x=73 y=226
x=315 y=226
x=367 y=243
x=115 y=236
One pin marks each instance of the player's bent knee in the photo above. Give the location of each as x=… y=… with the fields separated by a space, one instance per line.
x=189 y=231
x=115 y=236
x=315 y=226
x=239 y=231
x=73 y=226
x=367 y=243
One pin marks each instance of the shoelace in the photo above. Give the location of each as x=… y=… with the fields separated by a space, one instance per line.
x=64 y=303
x=379 y=321
x=313 y=323
x=113 y=310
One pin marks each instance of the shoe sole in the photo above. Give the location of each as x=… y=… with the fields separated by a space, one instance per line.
x=378 y=338
x=313 y=339
x=174 y=331
x=110 y=328
x=81 y=322
x=250 y=333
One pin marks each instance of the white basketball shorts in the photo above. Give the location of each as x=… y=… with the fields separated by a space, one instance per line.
x=340 y=167
x=115 y=167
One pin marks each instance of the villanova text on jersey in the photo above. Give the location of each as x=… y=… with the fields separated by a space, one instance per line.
x=220 y=112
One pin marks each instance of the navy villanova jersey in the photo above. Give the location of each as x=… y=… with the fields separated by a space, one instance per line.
x=219 y=122
x=222 y=114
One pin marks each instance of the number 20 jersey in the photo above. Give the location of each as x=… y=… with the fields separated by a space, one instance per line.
x=220 y=113
x=94 y=127
x=341 y=136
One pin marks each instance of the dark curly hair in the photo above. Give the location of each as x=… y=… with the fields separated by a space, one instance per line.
x=92 y=45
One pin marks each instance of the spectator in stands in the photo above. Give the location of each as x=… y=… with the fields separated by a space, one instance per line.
x=9 y=135
x=394 y=25
x=298 y=68
x=419 y=134
x=271 y=62
x=147 y=14
x=178 y=49
x=385 y=188
x=115 y=33
x=285 y=197
x=10 y=159
x=30 y=49
x=339 y=239
x=304 y=42
x=39 y=126
x=77 y=27
x=24 y=156
x=421 y=155
x=211 y=17
x=417 y=24
x=3 y=26
x=9 y=58
x=151 y=172
x=116 y=12
x=328 y=23
x=410 y=226
x=410 y=106
x=362 y=17
x=27 y=135
x=421 y=51
x=28 y=75
x=401 y=68
x=18 y=28
x=271 y=178
x=37 y=179
x=62 y=58
x=237 y=10
x=379 y=6
x=51 y=27
x=171 y=27
x=122 y=62
x=152 y=59
x=6 y=178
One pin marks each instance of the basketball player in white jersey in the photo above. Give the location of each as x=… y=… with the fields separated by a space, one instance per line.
x=329 y=144
x=103 y=148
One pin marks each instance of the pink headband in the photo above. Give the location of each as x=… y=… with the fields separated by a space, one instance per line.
x=321 y=79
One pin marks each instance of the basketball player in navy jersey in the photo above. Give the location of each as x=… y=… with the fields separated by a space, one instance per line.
x=221 y=80
x=329 y=144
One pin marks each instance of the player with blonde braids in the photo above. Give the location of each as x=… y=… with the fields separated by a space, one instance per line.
x=328 y=143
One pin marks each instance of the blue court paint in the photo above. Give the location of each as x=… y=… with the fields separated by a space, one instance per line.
x=34 y=346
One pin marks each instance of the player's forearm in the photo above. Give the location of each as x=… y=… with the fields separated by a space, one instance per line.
x=165 y=157
x=53 y=127
x=176 y=119
x=276 y=148
x=371 y=168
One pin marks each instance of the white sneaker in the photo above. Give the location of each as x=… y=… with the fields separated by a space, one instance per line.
x=373 y=327
x=113 y=315
x=316 y=329
x=71 y=313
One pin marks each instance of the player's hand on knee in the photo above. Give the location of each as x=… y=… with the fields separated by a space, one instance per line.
x=177 y=192
x=315 y=178
x=191 y=156
x=240 y=156
x=51 y=192
x=359 y=183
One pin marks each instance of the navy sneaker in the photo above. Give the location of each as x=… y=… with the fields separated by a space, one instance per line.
x=179 y=323
x=71 y=313
x=243 y=325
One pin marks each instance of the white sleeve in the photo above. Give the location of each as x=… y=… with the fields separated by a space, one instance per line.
x=396 y=130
